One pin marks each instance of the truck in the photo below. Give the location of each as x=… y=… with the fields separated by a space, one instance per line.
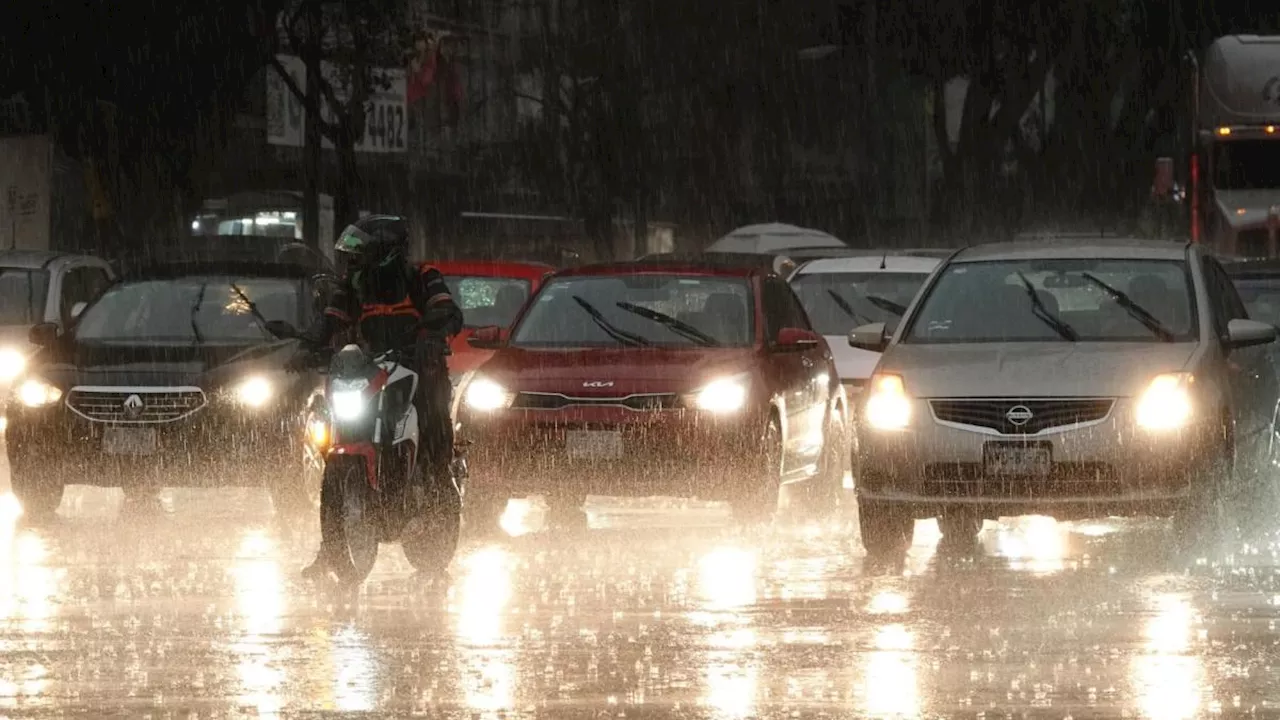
x=1233 y=173
x=47 y=201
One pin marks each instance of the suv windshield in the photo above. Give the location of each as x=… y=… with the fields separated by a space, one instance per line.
x=1119 y=300
x=22 y=296
x=488 y=300
x=190 y=309
x=838 y=302
x=640 y=310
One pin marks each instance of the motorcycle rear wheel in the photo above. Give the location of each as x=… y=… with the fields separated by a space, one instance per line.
x=350 y=523
x=431 y=549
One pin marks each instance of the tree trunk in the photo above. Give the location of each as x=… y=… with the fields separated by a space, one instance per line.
x=345 y=208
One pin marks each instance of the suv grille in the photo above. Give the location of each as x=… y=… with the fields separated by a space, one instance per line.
x=1042 y=415
x=158 y=405
x=555 y=401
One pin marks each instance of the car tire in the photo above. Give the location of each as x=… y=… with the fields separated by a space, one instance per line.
x=826 y=493
x=39 y=496
x=1203 y=512
x=886 y=527
x=758 y=499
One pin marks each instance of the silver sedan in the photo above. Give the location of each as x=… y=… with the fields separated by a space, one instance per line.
x=1061 y=378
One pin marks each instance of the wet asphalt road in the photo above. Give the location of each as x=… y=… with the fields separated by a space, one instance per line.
x=195 y=610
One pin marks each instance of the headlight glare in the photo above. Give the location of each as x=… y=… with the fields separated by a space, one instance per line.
x=254 y=391
x=725 y=395
x=486 y=395
x=347 y=404
x=12 y=363
x=1166 y=403
x=318 y=432
x=888 y=407
x=36 y=393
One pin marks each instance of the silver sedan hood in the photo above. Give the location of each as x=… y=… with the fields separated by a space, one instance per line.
x=1048 y=369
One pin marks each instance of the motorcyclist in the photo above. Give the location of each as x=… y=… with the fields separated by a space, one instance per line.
x=379 y=302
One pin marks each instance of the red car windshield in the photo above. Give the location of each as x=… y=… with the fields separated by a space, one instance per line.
x=639 y=310
x=488 y=300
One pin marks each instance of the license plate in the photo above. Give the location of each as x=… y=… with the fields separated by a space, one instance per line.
x=1017 y=460
x=129 y=441
x=593 y=444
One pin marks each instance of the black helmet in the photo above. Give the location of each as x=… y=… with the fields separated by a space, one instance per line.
x=374 y=241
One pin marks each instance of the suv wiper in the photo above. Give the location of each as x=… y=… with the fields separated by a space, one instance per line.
x=253 y=310
x=846 y=308
x=677 y=326
x=609 y=328
x=1135 y=310
x=195 y=310
x=1048 y=318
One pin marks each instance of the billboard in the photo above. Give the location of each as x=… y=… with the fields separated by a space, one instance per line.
x=386 y=128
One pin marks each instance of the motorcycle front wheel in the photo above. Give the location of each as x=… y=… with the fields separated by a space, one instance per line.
x=349 y=522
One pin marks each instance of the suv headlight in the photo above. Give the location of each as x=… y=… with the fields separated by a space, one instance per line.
x=255 y=391
x=34 y=393
x=1166 y=403
x=888 y=407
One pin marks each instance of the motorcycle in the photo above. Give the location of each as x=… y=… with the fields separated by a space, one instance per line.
x=366 y=432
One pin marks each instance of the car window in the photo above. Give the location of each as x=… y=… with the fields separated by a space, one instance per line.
x=1224 y=301
x=81 y=285
x=1261 y=298
x=988 y=301
x=488 y=300
x=837 y=302
x=191 y=309
x=664 y=310
x=22 y=296
x=781 y=308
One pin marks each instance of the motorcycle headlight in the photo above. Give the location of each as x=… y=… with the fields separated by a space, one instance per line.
x=888 y=407
x=1166 y=403
x=255 y=391
x=347 y=404
x=724 y=395
x=12 y=363
x=35 y=393
x=486 y=395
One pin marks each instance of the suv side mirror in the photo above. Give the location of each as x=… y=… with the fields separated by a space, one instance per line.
x=489 y=337
x=43 y=334
x=869 y=337
x=77 y=309
x=1243 y=333
x=791 y=338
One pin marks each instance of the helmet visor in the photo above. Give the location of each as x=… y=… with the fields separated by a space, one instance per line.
x=353 y=241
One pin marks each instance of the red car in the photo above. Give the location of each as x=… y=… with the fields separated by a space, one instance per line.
x=651 y=378
x=489 y=293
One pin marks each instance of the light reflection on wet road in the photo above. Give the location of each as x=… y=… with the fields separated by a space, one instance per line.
x=197 y=611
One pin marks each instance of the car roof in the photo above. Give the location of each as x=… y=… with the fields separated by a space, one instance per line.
x=871 y=263
x=713 y=259
x=1073 y=248
x=169 y=270
x=652 y=267
x=493 y=268
x=32 y=259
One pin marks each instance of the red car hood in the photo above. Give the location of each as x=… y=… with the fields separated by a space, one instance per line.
x=630 y=370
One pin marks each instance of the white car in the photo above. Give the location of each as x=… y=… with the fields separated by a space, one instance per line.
x=41 y=287
x=842 y=293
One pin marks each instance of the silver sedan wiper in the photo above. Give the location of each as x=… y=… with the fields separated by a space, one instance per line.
x=1041 y=312
x=1135 y=310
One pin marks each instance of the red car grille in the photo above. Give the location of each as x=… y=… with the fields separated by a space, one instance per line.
x=557 y=401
